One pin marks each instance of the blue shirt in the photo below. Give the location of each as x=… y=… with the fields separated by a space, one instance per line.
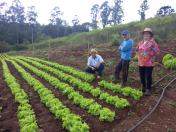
x=126 y=49
x=94 y=61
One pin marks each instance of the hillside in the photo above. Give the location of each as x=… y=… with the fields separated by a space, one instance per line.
x=163 y=27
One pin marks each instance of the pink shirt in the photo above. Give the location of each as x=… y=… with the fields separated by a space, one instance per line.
x=146 y=52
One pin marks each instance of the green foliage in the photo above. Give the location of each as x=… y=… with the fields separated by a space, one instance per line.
x=127 y=91
x=67 y=69
x=106 y=115
x=74 y=96
x=133 y=66
x=111 y=62
x=135 y=58
x=167 y=57
x=169 y=61
x=25 y=114
x=107 y=34
x=116 y=41
x=165 y=11
x=71 y=122
x=84 y=86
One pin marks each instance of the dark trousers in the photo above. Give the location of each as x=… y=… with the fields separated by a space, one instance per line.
x=123 y=66
x=97 y=71
x=146 y=77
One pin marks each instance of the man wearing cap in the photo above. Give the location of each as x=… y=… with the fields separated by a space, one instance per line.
x=125 y=50
x=146 y=50
x=95 y=64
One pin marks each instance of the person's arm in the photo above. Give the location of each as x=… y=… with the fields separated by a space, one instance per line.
x=127 y=46
x=137 y=48
x=154 y=49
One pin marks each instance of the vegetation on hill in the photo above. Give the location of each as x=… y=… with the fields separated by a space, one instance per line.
x=163 y=28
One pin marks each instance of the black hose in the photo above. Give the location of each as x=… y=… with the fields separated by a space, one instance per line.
x=154 y=108
x=162 y=78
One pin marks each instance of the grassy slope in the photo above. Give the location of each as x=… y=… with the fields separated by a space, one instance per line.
x=164 y=28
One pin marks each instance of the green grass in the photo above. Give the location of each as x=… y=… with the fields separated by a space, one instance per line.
x=163 y=27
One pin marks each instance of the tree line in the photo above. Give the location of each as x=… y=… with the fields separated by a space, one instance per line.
x=18 y=26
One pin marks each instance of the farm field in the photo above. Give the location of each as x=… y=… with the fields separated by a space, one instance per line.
x=47 y=49
x=63 y=98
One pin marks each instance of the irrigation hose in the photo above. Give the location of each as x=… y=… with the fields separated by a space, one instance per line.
x=154 y=108
x=163 y=78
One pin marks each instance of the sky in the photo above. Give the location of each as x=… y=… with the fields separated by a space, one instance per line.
x=70 y=8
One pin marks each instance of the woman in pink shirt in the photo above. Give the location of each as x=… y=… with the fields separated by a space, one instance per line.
x=146 y=51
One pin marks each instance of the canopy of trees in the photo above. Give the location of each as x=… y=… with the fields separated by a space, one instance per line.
x=165 y=11
x=18 y=26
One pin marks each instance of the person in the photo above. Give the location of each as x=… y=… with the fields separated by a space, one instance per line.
x=125 y=50
x=95 y=64
x=146 y=52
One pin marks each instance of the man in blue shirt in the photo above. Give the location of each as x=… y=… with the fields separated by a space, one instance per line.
x=125 y=50
x=95 y=64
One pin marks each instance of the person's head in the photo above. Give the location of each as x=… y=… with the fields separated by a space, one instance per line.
x=93 y=52
x=147 y=34
x=125 y=34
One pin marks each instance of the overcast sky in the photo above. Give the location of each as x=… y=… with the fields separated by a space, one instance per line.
x=82 y=8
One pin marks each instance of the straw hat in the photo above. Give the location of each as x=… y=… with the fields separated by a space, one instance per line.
x=148 y=30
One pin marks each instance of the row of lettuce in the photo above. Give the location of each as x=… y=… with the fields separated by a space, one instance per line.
x=67 y=79
x=90 y=105
x=53 y=68
x=25 y=113
x=169 y=61
x=83 y=86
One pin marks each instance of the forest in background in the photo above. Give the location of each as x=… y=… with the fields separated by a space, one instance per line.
x=19 y=26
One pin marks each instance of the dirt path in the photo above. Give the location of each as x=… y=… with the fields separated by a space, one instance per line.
x=8 y=116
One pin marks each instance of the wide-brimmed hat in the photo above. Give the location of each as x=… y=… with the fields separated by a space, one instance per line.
x=148 y=30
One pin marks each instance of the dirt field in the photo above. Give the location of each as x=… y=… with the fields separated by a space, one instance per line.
x=162 y=120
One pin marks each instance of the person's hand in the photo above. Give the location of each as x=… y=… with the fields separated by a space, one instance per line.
x=145 y=54
x=93 y=68
x=120 y=47
x=97 y=66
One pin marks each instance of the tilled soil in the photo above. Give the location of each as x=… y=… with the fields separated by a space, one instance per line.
x=8 y=112
x=162 y=120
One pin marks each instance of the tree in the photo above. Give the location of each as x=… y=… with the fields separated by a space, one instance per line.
x=16 y=16
x=16 y=12
x=2 y=14
x=117 y=12
x=75 y=20
x=75 y=23
x=94 y=15
x=143 y=8
x=32 y=20
x=56 y=15
x=165 y=11
x=105 y=12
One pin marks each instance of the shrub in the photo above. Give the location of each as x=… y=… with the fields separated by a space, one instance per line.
x=115 y=41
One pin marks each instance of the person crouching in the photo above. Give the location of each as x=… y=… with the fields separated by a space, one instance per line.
x=95 y=64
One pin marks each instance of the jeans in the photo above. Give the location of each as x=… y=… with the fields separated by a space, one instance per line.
x=97 y=71
x=146 y=77
x=123 y=66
